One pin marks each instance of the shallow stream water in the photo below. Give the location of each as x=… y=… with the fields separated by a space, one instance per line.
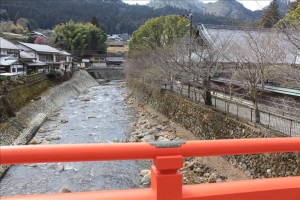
x=97 y=116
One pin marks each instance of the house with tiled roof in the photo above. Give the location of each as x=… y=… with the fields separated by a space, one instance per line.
x=248 y=43
x=48 y=56
x=9 y=58
x=44 y=56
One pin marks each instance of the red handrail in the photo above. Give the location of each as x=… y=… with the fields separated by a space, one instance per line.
x=135 y=151
x=261 y=189
x=166 y=182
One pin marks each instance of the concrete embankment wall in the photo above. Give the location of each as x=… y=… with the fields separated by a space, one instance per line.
x=209 y=124
x=22 y=125
x=108 y=74
x=20 y=129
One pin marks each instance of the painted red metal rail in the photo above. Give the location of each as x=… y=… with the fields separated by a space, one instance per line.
x=166 y=181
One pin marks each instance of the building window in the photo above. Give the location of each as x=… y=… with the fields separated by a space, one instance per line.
x=62 y=58
x=13 y=52
x=46 y=58
x=20 y=69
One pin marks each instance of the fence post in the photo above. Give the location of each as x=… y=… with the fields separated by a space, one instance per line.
x=291 y=127
x=189 y=90
x=269 y=120
x=166 y=181
x=215 y=102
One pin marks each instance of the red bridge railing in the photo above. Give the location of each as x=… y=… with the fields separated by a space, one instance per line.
x=166 y=181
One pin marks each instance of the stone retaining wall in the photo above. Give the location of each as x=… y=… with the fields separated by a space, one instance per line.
x=54 y=98
x=209 y=124
x=3 y=114
x=21 y=95
x=21 y=129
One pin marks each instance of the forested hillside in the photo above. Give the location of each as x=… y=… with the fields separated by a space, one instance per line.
x=224 y=8
x=114 y=15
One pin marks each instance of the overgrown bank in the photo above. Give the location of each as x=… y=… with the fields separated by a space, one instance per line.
x=209 y=124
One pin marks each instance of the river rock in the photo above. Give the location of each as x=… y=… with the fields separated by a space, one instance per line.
x=197 y=170
x=42 y=130
x=35 y=141
x=85 y=99
x=146 y=180
x=59 y=167
x=147 y=138
x=163 y=139
x=142 y=122
x=54 y=114
x=116 y=140
x=50 y=138
x=45 y=142
x=64 y=121
x=144 y=172
x=64 y=190
x=162 y=133
x=160 y=127
x=124 y=140
x=212 y=178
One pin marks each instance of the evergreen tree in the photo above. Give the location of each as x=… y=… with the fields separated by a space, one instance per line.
x=29 y=27
x=80 y=38
x=292 y=18
x=270 y=16
x=294 y=5
x=159 y=32
x=17 y=16
x=94 y=21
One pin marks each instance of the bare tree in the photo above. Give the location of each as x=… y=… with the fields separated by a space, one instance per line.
x=257 y=54
x=192 y=62
x=292 y=39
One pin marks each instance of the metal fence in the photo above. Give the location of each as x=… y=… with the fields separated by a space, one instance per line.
x=32 y=79
x=242 y=108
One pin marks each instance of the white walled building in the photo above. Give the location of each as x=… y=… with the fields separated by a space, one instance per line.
x=9 y=58
x=42 y=54
x=52 y=57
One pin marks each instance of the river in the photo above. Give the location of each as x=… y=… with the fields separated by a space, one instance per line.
x=98 y=115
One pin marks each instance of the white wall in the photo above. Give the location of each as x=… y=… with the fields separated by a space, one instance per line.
x=17 y=69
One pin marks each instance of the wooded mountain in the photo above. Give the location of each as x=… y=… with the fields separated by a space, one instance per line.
x=224 y=8
x=114 y=15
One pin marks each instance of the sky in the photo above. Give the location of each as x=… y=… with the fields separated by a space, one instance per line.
x=250 y=4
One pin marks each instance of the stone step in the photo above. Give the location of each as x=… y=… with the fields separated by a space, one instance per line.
x=31 y=130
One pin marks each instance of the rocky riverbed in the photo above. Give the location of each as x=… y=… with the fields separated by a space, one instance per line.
x=150 y=126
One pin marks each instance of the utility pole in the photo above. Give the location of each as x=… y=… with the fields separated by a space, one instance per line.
x=190 y=17
x=191 y=25
x=190 y=50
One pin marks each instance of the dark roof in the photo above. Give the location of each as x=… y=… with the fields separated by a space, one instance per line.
x=237 y=42
x=40 y=47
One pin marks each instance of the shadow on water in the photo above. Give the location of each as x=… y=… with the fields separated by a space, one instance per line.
x=97 y=116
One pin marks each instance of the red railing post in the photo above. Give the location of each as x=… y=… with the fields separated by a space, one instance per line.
x=166 y=180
